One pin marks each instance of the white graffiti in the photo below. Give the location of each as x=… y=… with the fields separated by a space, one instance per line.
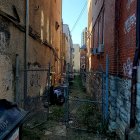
x=127 y=68
x=129 y=2
x=129 y=23
x=34 y=79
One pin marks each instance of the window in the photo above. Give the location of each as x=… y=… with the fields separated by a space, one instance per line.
x=101 y=28
x=98 y=31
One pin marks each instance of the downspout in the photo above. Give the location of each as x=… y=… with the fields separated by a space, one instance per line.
x=17 y=79
x=25 y=50
x=134 y=71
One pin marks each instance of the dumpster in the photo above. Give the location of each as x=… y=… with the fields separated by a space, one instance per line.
x=11 y=120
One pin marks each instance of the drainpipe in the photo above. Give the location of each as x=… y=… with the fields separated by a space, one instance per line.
x=25 y=50
x=134 y=71
x=17 y=79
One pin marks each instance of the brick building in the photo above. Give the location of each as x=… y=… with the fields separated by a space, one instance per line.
x=44 y=41
x=112 y=32
x=83 y=53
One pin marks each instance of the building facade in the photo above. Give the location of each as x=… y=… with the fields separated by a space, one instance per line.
x=112 y=33
x=43 y=47
x=76 y=59
x=83 y=57
x=84 y=37
x=69 y=48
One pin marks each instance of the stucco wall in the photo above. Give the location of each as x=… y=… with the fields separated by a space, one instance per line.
x=39 y=54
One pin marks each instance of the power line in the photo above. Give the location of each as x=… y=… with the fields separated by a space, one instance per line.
x=80 y=15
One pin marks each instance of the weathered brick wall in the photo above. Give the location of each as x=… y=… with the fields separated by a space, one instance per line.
x=126 y=24
x=7 y=7
x=12 y=42
x=98 y=61
x=10 y=45
x=125 y=44
x=120 y=45
x=118 y=32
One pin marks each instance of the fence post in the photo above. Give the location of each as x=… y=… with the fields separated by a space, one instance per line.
x=66 y=93
x=103 y=98
x=66 y=113
x=48 y=87
x=107 y=86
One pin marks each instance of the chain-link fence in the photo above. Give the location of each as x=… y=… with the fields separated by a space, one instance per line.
x=35 y=100
x=84 y=110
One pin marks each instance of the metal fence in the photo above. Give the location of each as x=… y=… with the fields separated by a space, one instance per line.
x=86 y=105
x=36 y=101
x=83 y=110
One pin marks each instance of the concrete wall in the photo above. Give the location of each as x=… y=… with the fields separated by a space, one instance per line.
x=119 y=105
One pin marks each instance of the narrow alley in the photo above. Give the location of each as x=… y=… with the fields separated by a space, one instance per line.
x=84 y=122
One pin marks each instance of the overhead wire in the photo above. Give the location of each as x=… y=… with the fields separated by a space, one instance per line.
x=80 y=15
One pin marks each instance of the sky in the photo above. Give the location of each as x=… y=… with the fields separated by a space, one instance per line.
x=71 y=10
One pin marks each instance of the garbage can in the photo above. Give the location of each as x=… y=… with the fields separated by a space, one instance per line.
x=11 y=120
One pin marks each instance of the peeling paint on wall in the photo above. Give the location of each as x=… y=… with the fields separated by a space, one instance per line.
x=129 y=23
x=2 y=41
x=4 y=34
x=6 y=78
x=34 y=76
x=34 y=80
x=127 y=68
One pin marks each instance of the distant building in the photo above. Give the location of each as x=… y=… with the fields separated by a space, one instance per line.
x=83 y=50
x=69 y=48
x=84 y=37
x=76 y=57
x=83 y=57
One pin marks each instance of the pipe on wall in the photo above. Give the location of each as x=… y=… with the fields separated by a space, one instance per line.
x=17 y=80
x=25 y=50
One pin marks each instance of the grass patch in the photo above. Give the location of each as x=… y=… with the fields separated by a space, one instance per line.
x=57 y=113
x=90 y=117
x=28 y=134
x=77 y=89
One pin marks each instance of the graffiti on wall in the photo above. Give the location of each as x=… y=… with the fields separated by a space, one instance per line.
x=7 y=82
x=4 y=34
x=34 y=76
x=6 y=78
x=127 y=68
x=129 y=2
x=34 y=79
x=129 y=23
x=2 y=40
